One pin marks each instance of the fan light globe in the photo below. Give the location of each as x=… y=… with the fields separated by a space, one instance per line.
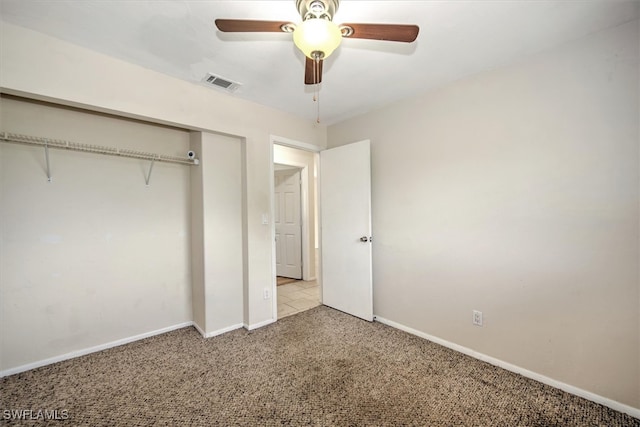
x=317 y=34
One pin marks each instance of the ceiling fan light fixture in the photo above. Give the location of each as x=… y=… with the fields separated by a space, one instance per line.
x=317 y=35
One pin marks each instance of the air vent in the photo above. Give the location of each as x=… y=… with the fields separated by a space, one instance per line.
x=220 y=82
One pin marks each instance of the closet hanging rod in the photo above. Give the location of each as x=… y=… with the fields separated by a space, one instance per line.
x=88 y=148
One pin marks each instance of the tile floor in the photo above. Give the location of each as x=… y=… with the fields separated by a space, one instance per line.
x=296 y=297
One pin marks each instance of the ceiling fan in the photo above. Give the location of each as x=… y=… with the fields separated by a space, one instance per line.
x=317 y=36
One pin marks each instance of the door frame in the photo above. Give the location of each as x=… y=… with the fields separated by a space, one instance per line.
x=307 y=258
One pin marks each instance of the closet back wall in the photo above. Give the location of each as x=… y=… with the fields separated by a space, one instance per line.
x=95 y=256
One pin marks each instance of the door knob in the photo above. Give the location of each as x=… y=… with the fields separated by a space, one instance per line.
x=364 y=239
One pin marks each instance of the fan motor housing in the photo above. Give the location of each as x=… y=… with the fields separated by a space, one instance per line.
x=322 y=9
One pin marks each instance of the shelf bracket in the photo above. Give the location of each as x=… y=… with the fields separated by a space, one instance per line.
x=46 y=157
x=148 y=177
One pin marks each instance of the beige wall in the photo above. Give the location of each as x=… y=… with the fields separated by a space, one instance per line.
x=198 y=301
x=301 y=158
x=216 y=232
x=516 y=192
x=95 y=256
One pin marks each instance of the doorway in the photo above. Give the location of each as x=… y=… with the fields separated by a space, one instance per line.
x=296 y=287
x=346 y=268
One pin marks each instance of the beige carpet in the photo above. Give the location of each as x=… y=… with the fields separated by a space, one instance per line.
x=318 y=368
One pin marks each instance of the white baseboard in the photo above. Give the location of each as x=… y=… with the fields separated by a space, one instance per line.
x=259 y=324
x=83 y=352
x=621 y=407
x=78 y=353
x=218 y=331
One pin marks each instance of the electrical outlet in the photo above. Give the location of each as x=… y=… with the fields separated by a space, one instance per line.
x=477 y=318
x=266 y=293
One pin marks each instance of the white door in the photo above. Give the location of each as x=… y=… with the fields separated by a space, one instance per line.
x=287 y=222
x=345 y=202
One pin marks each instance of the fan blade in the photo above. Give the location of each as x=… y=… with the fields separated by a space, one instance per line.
x=312 y=74
x=248 y=26
x=389 y=32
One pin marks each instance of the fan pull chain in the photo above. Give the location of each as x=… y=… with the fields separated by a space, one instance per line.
x=318 y=106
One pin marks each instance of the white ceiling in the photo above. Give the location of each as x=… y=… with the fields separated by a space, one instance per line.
x=457 y=38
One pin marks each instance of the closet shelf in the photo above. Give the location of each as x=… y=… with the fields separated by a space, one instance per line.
x=97 y=149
